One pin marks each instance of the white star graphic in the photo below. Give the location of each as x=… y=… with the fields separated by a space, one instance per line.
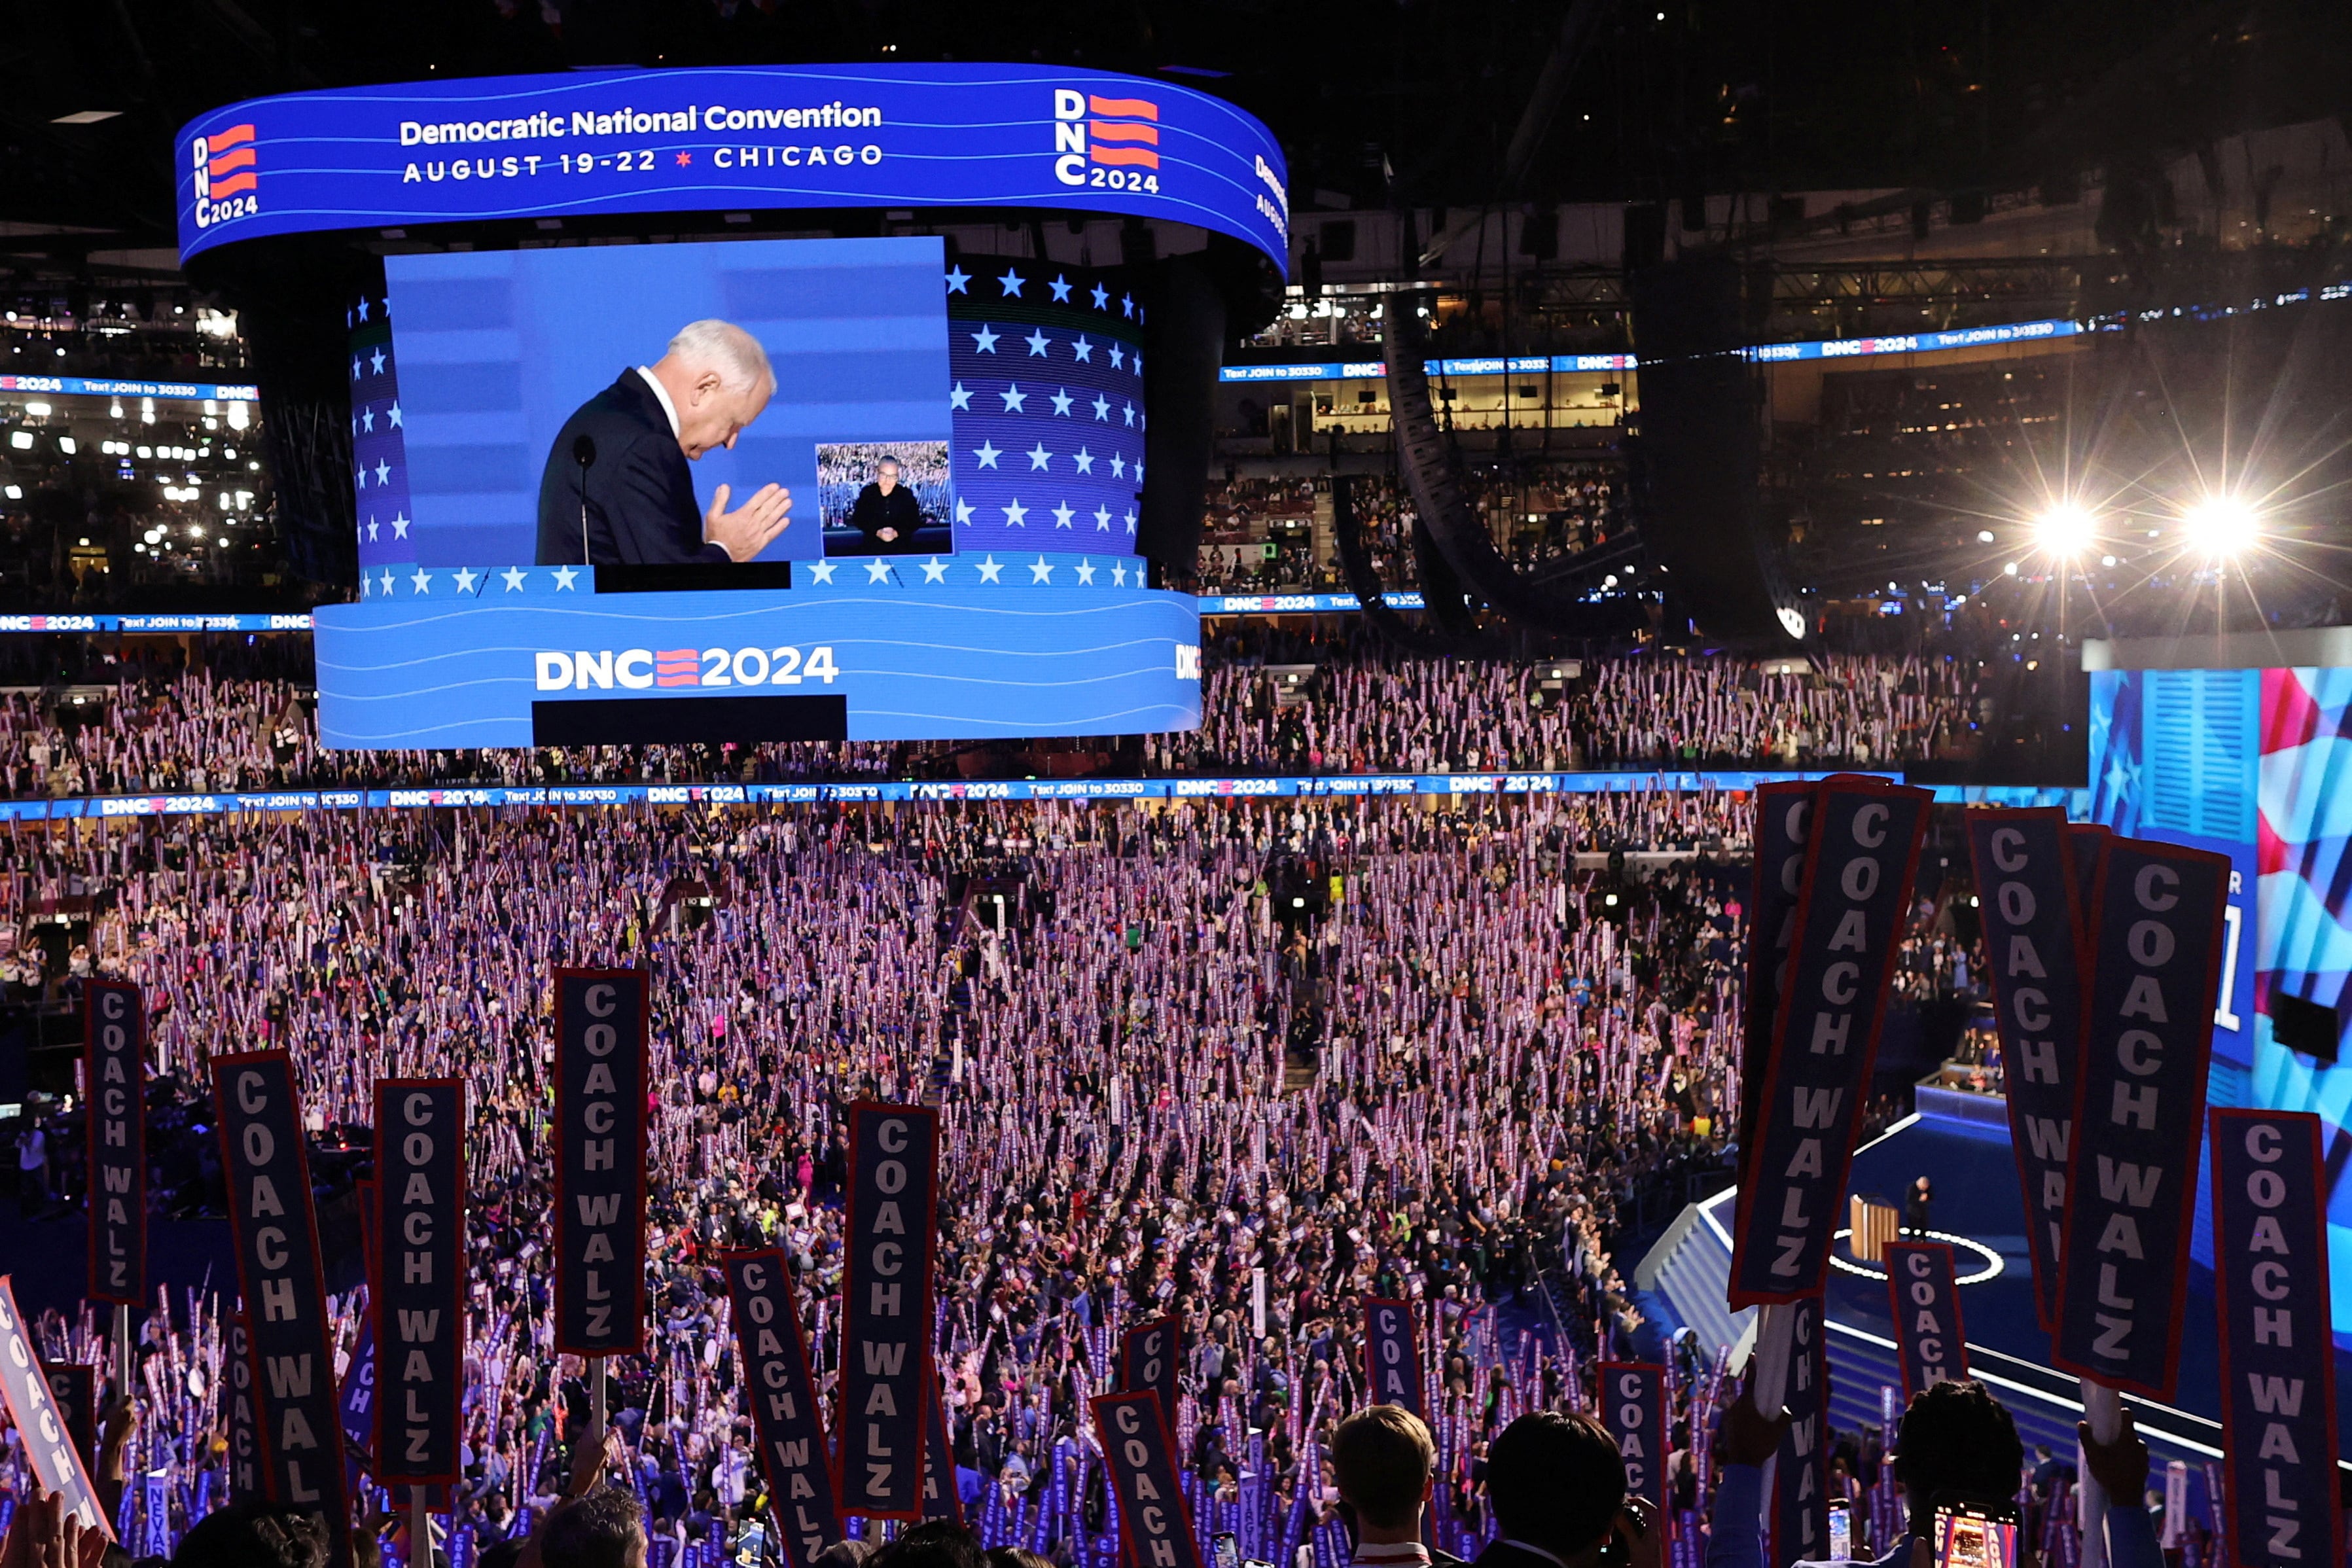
x=1117 y=467
x=1130 y=518
x=512 y=576
x=371 y=531
x=359 y=479
x=1011 y=283
x=1138 y=470
x=992 y=570
x=1015 y=514
x=1102 y=520
x=1127 y=304
x=1082 y=350
x=985 y=339
x=1118 y=357
x=367 y=587
x=1038 y=342
x=421 y=581
x=1038 y=457
x=1086 y=571
x=1062 y=515
x=387 y=580
x=400 y=525
x=382 y=473
x=964 y=510
x=363 y=307
x=1040 y=572
x=564 y=577
x=1136 y=363
x=355 y=368
x=465 y=575
x=1102 y=297
x=1061 y=287
x=375 y=362
x=1013 y=398
x=1130 y=416
x=1102 y=407
x=367 y=420
x=1119 y=575
x=1062 y=403
x=1084 y=459
x=823 y=571
x=877 y=571
x=959 y=398
x=934 y=572
x=392 y=414
x=957 y=279
x=987 y=452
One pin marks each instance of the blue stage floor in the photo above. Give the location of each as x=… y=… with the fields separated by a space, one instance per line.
x=1977 y=1196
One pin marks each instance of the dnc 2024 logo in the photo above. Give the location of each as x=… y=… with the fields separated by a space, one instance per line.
x=225 y=175
x=1110 y=143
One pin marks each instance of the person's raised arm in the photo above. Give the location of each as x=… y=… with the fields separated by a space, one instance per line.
x=1744 y=1442
x=121 y=1420
x=2121 y=1467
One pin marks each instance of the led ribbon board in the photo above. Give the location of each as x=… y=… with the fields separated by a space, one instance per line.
x=605 y=142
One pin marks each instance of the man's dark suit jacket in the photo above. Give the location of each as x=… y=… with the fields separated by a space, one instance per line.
x=873 y=511
x=641 y=505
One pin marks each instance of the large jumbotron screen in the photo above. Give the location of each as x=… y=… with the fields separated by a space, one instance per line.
x=2253 y=763
x=961 y=438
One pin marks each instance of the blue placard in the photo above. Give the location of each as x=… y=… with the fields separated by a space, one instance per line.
x=2278 y=1362
x=610 y=141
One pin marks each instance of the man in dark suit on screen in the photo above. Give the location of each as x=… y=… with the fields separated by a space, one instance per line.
x=886 y=512
x=621 y=461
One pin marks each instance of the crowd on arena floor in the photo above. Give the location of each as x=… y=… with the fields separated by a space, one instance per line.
x=1445 y=1072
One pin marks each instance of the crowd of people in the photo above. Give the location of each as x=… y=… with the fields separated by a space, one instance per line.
x=1374 y=714
x=1349 y=1049
x=244 y=720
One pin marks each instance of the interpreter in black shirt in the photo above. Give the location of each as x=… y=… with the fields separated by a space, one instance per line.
x=886 y=513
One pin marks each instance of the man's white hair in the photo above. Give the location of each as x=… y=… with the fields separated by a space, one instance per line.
x=734 y=354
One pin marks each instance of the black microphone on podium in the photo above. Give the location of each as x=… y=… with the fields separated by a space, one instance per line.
x=583 y=452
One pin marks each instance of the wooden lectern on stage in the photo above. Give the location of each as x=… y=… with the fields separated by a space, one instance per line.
x=1874 y=1225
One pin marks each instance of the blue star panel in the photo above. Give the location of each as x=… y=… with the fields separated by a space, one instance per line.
x=387 y=521
x=1047 y=404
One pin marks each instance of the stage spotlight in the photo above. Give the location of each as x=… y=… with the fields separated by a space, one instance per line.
x=2064 y=531
x=2221 y=526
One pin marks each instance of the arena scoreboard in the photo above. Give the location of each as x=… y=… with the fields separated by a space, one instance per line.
x=1005 y=397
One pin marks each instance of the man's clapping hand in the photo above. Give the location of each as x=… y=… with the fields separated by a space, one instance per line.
x=746 y=530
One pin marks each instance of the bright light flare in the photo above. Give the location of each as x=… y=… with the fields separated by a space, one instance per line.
x=2064 y=530
x=2222 y=527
